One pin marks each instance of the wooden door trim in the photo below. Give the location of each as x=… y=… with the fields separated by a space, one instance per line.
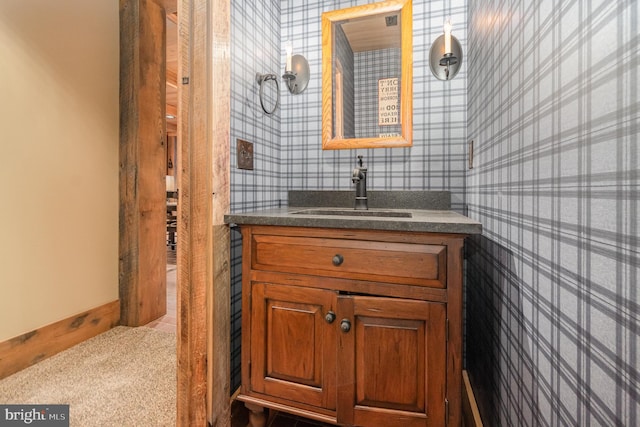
x=203 y=237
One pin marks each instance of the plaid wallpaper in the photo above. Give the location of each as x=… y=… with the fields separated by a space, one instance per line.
x=371 y=66
x=552 y=285
x=437 y=159
x=255 y=48
x=343 y=55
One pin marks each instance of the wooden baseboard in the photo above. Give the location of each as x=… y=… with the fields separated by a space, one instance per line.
x=470 y=412
x=30 y=348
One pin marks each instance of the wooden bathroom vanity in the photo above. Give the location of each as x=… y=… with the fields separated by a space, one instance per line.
x=353 y=320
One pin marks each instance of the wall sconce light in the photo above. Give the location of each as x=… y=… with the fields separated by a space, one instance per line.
x=296 y=71
x=445 y=55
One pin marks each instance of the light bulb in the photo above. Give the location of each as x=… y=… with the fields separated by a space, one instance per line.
x=289 y=49
x=447 y=36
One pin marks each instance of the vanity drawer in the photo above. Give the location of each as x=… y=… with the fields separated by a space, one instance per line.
x=378 y=261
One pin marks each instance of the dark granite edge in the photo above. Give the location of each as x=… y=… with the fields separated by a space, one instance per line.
x=407 y=199
x=357 y=223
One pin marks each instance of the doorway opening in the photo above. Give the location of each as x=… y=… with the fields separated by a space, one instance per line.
x=168 y=322
x=202 y=235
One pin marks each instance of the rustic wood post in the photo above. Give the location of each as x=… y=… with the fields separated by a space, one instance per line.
x=142 y=259
x=203 y=238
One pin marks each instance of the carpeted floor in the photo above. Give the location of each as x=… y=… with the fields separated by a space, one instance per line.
x=123 y=377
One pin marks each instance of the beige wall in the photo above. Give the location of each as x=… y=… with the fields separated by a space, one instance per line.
x=59 y=160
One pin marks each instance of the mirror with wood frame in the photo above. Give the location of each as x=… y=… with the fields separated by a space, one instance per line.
x=367 y=76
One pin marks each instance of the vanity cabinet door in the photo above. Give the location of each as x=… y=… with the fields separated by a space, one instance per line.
x=391 y=362
x=293 y=344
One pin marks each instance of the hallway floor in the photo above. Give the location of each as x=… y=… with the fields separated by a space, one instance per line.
x=168 y=322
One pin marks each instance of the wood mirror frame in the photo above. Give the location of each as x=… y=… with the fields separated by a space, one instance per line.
x=335 y=140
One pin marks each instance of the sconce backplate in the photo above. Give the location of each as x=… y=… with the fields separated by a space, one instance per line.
x=436 y=53
x=300 y=69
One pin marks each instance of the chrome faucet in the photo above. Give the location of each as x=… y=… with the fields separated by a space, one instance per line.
x=359 y=177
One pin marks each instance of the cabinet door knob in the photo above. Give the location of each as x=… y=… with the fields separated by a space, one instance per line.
x=338 y=259
x=330 y=317
x=345 y=325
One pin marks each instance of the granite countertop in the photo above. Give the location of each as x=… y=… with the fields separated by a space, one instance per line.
x=422 y=211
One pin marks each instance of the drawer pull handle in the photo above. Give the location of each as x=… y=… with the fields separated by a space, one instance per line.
x=345 y=325
x=338 y=260
x=330 y=317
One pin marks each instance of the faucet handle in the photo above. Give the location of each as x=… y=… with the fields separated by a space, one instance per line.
x=360 y=160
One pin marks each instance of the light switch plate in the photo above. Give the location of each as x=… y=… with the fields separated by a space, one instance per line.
x=245 y=155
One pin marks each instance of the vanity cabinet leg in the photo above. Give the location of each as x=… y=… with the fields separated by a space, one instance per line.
x=257 y=417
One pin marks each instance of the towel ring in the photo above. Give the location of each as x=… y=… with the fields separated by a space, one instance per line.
x=261 y=79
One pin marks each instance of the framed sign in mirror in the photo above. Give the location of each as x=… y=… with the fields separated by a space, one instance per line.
x=367 y=76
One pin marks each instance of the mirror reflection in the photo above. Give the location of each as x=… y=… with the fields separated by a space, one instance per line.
x=367 y=76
